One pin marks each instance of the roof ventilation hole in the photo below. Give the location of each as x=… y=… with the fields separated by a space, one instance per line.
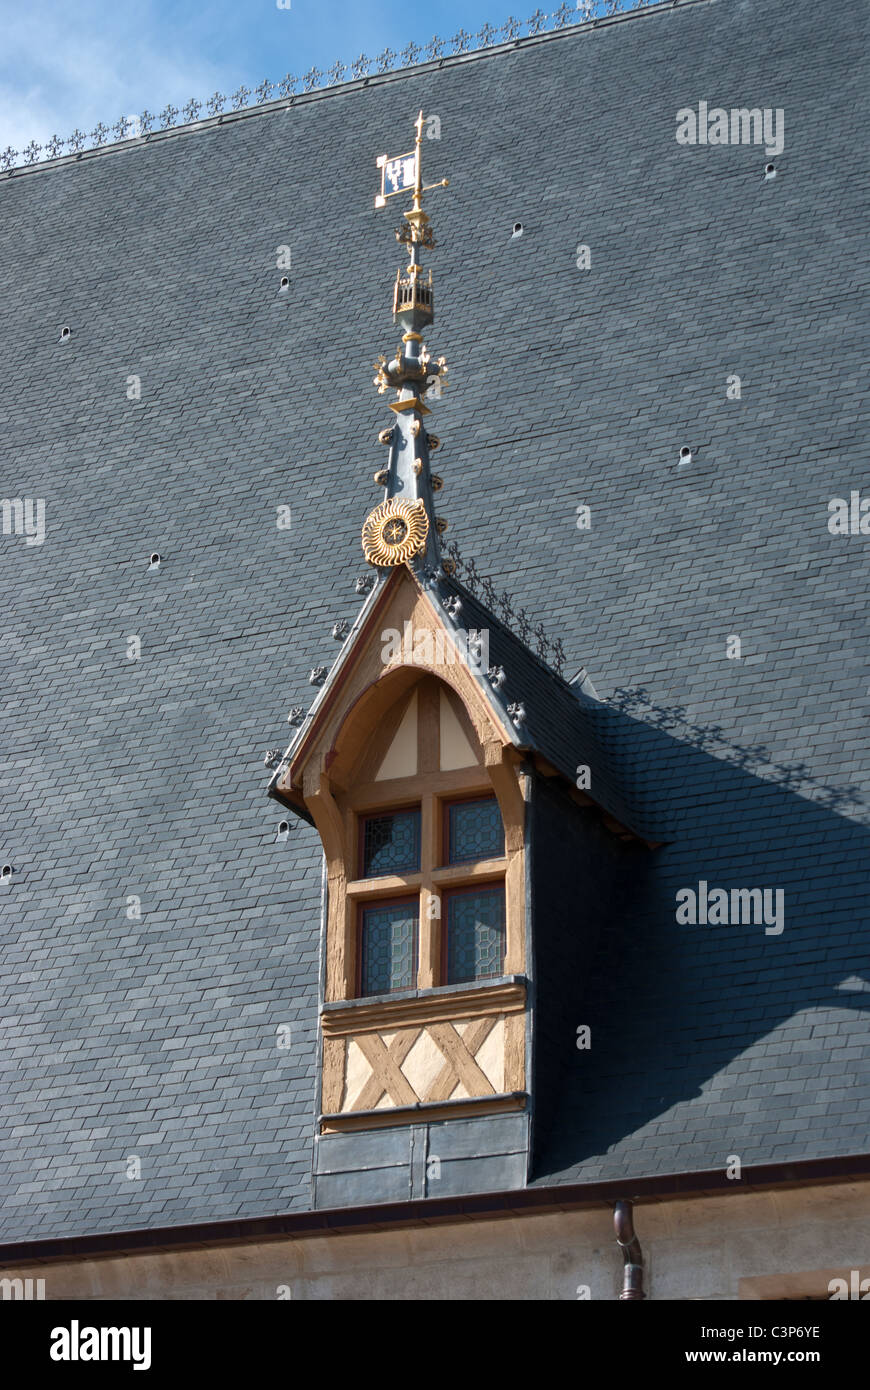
x=65 y=334
x=685 y=454
x=769 y=172
x=285 y=285
x=283 y=831
x=154 y=561
x=5 y=873
x=517 y=231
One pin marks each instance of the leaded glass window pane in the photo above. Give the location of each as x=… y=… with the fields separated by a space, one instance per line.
x=388 y=948
x=474 y=831
x=475 y=934
x=391 y=843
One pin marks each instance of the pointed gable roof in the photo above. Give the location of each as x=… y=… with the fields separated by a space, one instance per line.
x=530 y=706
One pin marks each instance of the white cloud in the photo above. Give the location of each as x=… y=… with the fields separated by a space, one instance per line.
x=69 y=66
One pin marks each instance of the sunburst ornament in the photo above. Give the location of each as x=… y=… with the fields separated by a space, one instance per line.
x=395 y=531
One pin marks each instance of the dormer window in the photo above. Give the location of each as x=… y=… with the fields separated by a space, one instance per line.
x=419 y=795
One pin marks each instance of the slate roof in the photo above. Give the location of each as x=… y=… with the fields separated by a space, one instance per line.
x=122 y=779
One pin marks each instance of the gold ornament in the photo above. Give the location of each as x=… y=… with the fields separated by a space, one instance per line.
x=395 y=531
x=382 y=377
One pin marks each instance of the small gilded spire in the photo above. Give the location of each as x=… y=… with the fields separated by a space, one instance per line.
x=404 y=529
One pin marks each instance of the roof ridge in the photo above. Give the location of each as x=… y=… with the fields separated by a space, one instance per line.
x=593 y=15
x=535 y=656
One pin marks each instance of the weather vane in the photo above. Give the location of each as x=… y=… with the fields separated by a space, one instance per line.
x=404 y=174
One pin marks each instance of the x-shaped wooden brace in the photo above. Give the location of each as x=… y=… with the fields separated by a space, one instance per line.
x=387 y=1077
x=460 y=1066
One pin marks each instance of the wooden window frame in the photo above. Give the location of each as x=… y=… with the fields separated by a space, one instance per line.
x=346 y=789
x=432 y=879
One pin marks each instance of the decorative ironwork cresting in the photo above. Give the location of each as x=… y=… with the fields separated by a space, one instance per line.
x=436 y=50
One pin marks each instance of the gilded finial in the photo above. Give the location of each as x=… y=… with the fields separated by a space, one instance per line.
x=404 y=529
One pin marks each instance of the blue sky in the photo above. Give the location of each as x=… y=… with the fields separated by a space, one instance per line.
x=72 y=64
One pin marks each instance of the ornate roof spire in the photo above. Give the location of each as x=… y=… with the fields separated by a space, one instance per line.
x=404 y=529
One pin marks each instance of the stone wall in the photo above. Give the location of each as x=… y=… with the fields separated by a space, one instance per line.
x=775 y=1244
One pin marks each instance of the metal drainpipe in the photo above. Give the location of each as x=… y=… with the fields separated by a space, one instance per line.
x=632 y=1286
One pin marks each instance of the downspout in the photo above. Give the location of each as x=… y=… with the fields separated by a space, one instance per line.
x=632 y=1285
